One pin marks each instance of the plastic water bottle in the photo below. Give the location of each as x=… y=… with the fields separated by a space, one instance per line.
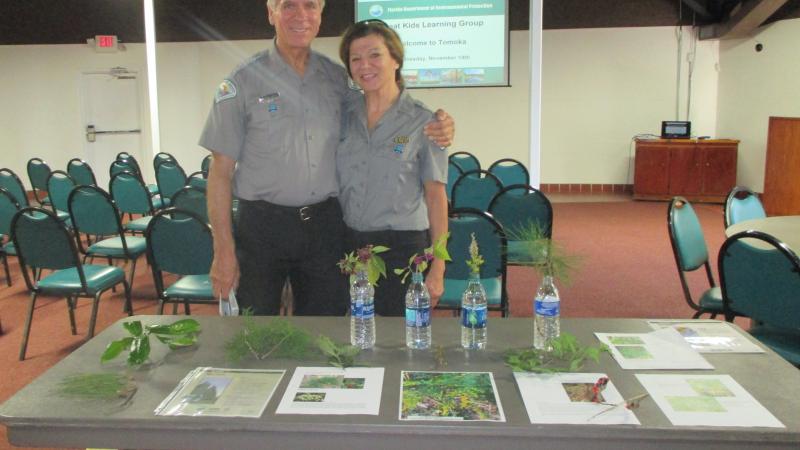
x=546 y=315
x=418 y=313
x=362 y=311
x=473 y=315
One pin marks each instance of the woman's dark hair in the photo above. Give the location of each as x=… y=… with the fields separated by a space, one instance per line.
x=365 y=28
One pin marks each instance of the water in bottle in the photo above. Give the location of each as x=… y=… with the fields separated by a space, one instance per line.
x=546 y=315
x=362 y=311
x=473 y=315
x=418 y=313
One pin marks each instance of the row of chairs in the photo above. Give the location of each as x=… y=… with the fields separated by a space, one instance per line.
x=502 y=173
x=175 y=241
x=761 y=282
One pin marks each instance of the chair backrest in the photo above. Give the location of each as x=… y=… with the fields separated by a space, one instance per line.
x=475 y=189
x=205 y=165
x=454 y=172
x=193 y=199
x=43 y=242
x=465 y=160
x=124 y=165
x=93 y=212
x=742 y=204
x=81 y=172
x=38 y=173
x=760 y=278
x=11 y=182
x=8 y=207
x=179 y=243
x=130 y=194
x=170 y=177
x=59 y=185
x=162 y=157
x=491 y=244
x=686 y=235
x=510 y=172
x=518 y=206
x=129 y=159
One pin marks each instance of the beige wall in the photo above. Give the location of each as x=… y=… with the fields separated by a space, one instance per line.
x=756 y=85
x=600 y=88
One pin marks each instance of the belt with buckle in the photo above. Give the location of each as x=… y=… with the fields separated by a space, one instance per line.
x=304 y=213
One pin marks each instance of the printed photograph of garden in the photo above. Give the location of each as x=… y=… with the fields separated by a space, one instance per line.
x=449 y=396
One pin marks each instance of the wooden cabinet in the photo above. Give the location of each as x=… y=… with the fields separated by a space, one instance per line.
x=700 y=170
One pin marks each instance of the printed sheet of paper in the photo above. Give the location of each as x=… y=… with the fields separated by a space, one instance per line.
x=450 y=396
x=660 y=349
x=706 y=400
x=210 y=391
x=328 y=390
x=569 y=398
x=710 y=336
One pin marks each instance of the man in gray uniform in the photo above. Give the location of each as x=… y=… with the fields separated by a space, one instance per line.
x=273 y=131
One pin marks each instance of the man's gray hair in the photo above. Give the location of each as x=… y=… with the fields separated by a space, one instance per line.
x=274 y=3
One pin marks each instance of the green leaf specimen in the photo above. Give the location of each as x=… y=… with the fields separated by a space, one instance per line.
x=96 y=386
x=338 y=355
x=278 y=338
x=543 y=255
x=568 y=355
x=182 y=333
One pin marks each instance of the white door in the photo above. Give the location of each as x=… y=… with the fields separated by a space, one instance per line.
x=111 y=119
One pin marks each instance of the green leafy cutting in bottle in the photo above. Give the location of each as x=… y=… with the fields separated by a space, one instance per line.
x=419 y=263
x=365 y=258
x=475 y=260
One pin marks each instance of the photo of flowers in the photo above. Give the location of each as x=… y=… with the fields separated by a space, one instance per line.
x=449 y=396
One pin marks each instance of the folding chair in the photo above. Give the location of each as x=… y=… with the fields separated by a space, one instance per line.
x=465 y=160
x=43 y=242
x=510 y=172
x=492 y=246
x=518 y=207
x=475 y=189
x=691 y=253
x=11 y=182
x=192 y=198
x=180 y=243
x=38 y=173
x=760 y=279
x=742 y=204
x=81 y=172
x=170 y=178
x=8 y=208
x=132 y=197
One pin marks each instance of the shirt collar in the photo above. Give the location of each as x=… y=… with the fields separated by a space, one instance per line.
x=276 y=62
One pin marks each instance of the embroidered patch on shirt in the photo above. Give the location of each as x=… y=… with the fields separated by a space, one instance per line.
x=401 y=140
x=225 y=91
x=399 y=148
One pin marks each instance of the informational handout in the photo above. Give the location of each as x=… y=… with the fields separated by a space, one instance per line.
x=709 y=336
x=210 y=391
x=660 y=349
x=329 y=390
x=450 y=396
x=706 y=400
x=573 y=398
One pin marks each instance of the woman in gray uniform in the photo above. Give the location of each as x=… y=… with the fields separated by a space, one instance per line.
x=391 y=177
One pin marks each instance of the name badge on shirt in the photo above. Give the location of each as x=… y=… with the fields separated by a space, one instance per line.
x=400 y=144
x=270 y=101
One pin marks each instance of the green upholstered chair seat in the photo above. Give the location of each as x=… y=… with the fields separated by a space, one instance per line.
x=784 y=341
x=67 y=281
x=453 y=289
x=152 y=189
x=711 y=300
x=138 y=225
x=159 y=202
x=113 y=247
x=193 y=287
x=10 y=249
x=63 y=216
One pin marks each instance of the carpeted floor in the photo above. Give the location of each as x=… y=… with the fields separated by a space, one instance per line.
x=626 y=270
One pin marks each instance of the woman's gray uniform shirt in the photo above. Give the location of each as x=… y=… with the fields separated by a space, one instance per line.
x=282 y=129
x=381 y=174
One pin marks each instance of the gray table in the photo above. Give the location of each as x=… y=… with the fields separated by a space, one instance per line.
x=35 y=417
x=785 y=228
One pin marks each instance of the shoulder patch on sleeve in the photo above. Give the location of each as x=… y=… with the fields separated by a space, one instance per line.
x=225 y=91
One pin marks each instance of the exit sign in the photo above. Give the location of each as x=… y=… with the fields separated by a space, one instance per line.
x=106 y=43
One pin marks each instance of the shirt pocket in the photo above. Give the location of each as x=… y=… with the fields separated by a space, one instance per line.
x=270 y=125
x=395 y=169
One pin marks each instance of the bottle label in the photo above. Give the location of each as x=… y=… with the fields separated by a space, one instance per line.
x=473 y=317
x=362 y=310
x=548 y=306
x=418 y=317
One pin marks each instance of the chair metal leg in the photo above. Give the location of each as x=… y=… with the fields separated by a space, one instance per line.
x=160 y=306
x=93 y=317
x=697 y=314
x=128 y=305
x=26 y=333
x=71 y=308
x=186 y=307
x=8 y=274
